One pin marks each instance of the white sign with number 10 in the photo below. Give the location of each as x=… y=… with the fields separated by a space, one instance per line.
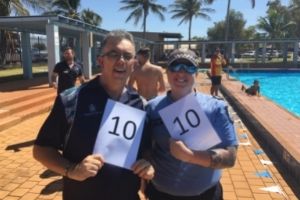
x=186 y=121
x=119 y=135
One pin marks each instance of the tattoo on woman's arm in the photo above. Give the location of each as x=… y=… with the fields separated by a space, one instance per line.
x=223 y=158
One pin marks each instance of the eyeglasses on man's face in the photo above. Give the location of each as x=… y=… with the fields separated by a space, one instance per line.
x=114 y=55
x=187 y=68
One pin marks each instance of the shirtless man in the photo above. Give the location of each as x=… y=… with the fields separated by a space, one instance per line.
x=148 y=77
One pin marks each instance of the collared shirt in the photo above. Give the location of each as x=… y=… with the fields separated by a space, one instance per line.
x=67 y=75
x=111 y=182
x=180 y=178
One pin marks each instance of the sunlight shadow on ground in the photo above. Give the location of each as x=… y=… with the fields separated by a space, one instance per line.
x=17 y=147
x=54 y=186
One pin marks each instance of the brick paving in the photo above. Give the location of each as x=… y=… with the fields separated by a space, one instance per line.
x=22 y=178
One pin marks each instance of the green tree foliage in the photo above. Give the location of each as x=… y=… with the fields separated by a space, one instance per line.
x=140 y=9
x=277 y=24
x=294 y=11
x=71 y=9
x=198 y=38
x=68 y=8
x=237 y=30
x=186 y=10
x=228 y=17
x=20 y=7
x=91 y=17
x=227 y=23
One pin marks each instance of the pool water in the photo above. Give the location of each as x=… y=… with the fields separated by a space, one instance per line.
x=280 y=86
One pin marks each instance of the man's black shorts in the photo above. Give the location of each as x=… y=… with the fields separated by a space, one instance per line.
x=216 y=80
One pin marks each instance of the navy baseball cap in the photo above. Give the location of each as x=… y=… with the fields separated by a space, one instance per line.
x=182 y=55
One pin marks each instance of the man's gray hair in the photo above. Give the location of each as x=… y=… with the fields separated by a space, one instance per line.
x=117 y=36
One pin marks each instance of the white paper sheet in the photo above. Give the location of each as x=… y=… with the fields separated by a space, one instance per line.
x=186 y=121
x=119 y=134
x=275 y=188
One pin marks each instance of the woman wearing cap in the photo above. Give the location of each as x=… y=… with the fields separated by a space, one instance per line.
x=182 y=173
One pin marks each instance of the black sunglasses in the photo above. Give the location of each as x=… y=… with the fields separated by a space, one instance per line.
x=191 y=69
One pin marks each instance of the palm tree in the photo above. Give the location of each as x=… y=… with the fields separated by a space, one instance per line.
x=186 y=10
x=276 y=25
x=227 y=17
x=68 y=8
x=90 y=17
x=19 y=7
x=141 y=8
x=294 y=9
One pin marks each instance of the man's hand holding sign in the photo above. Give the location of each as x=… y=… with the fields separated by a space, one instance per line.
x=119 y=137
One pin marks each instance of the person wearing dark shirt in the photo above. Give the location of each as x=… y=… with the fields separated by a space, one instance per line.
x=67 y=71
x=74 y=131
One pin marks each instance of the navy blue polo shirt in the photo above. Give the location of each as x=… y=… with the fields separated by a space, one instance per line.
x=111 y=182
x=67 y=76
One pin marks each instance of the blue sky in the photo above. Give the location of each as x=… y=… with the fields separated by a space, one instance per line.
x=115 y=19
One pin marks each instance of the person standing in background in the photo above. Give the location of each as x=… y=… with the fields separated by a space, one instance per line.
x=147 y=76
x=216 y=67
x=67 y=71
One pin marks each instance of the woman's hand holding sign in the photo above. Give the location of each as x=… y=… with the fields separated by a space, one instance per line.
x=143 y=169
x=180 y=151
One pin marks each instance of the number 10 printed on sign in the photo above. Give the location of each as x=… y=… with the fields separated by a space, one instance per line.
x=186 y=121
x=120 y=134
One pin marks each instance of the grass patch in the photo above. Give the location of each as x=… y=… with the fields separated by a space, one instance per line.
x=14 y=70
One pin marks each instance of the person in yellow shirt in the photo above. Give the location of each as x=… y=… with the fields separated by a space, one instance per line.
x=216 y=64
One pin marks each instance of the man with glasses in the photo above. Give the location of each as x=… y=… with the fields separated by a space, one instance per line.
x=147 y=78
x=181 y=172
x=74 y=129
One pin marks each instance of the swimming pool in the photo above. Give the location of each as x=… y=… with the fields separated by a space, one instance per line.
x=280 y=86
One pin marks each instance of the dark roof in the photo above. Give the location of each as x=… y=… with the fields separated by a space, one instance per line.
x=37 y=24
x=171 y=35
x=160 y=34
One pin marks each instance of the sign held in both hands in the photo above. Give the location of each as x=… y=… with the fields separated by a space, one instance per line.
x=120 y=134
